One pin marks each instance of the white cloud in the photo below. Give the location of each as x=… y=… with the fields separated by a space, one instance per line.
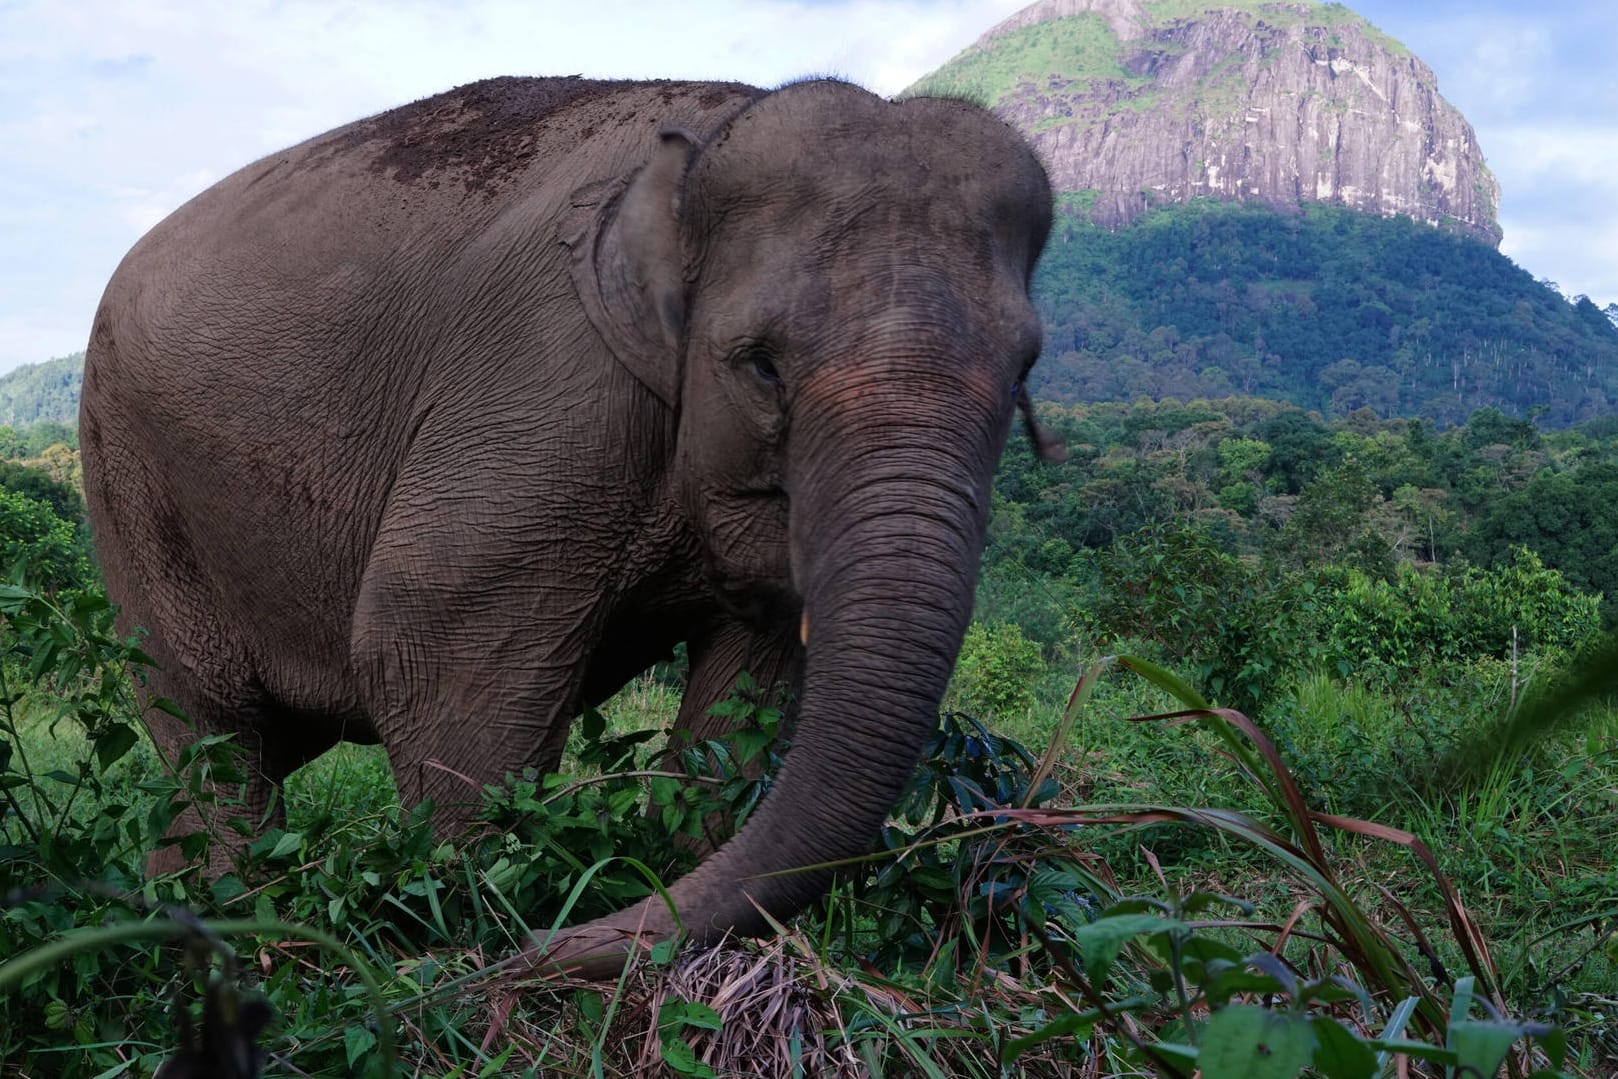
x=1505 y=64
x=1581 y=252
x=1559 y=208
x=1568 y=152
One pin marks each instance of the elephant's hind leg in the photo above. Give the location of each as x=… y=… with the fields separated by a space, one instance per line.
x=152 y=566
x=265 y=757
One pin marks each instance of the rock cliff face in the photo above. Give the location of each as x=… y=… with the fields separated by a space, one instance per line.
x=1135 y=103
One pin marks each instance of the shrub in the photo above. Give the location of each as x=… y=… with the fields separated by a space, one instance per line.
x=995 y=673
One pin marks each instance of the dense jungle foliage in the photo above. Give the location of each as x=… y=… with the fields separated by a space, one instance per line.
x=1250 y=539
x=1327 y=308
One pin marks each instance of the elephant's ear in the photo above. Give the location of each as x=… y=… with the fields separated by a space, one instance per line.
x=628 y=267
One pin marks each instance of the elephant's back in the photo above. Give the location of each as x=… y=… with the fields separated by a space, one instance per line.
x=318 y=278
x=340 y=237
x=479 y=138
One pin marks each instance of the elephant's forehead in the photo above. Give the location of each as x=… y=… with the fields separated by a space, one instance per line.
x=831 y=137
x=896 y=164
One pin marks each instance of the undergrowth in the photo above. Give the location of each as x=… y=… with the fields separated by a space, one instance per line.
x=1016 y=918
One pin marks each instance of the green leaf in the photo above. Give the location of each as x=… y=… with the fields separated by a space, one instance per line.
x=675 y=1013
x=1165 y=680
x=1074 y=1026
x=1340 y=1055
x=113 y=743
x=357 y=1041
x=1235 y=980
x=592 y=725
x=679 y=1056
x=1246 y=1042
x=1101 y=941
x=1482 y=1044
x=1433 y=1054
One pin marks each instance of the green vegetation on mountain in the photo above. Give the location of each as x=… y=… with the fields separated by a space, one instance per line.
x=1279 y=487
x=1325 y=308
x=47 y=391
x=1082 y=47
x=1270 y=531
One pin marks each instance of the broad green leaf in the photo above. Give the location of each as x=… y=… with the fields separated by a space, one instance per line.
x=1101 y=941
x=357 y=1041
x=286 y=845
x=1339 y=1054
x=679 y=1056
x=1482 y=1044
x=689 y=1013
x=1246 y=1042
x=113 y=743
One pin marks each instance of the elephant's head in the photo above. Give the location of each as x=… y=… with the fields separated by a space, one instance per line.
x=833 y=293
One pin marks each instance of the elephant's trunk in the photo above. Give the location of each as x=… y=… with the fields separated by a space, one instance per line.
x=888 y=514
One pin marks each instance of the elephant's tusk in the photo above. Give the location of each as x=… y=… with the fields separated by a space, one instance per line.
x=803 y=630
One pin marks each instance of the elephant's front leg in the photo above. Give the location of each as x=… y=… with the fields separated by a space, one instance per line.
x=775 y=662
x=773 y=659
x=473 y=670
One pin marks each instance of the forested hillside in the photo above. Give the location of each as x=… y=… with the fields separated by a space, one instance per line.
x=43 y=392
x=1325 y=308
x=1253 y=543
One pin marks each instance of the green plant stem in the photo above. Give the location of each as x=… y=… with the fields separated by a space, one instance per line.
x=22 y=757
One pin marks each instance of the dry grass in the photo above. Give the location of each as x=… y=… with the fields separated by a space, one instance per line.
x=777 y=1013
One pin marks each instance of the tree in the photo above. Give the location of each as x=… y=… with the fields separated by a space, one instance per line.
x=62 y=498
x=1568 y=518
x=38 y=543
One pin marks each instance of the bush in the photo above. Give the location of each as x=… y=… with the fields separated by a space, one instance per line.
x=1233 y=623
x=34 y=537
x=996 y=672
x=1423 y=617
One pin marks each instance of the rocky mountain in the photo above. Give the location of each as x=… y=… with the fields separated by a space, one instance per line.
x=1142 y=103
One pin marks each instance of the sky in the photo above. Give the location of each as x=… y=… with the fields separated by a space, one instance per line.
x=114 y=112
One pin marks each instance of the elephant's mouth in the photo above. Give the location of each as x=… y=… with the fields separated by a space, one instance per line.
x=749 y=565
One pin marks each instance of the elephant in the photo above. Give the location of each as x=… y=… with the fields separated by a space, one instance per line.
x=439 y=427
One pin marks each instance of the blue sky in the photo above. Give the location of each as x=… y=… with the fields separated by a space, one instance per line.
x=113 y=112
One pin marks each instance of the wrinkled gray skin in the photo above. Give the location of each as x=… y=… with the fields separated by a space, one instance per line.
x=440 y=426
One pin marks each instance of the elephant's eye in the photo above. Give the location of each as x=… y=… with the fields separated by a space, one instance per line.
x=764 y=365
